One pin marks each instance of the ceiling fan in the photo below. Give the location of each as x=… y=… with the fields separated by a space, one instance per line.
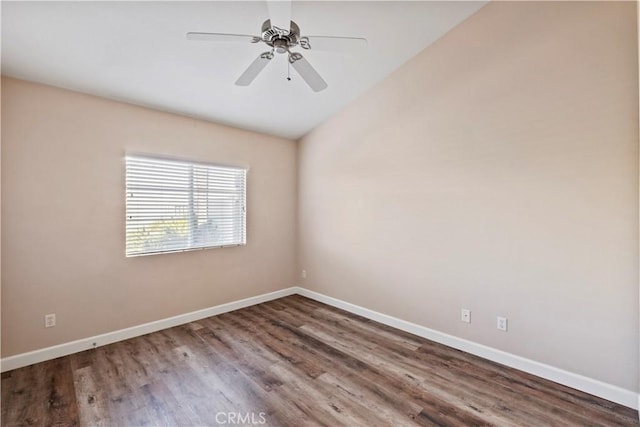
x=282 y=35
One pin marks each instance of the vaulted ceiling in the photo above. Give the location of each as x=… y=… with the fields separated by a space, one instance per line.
x=137 y=52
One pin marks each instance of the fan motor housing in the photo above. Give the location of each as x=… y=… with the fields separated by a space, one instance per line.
x=279 y=38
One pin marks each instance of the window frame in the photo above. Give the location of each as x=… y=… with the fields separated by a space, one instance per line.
x=185 y=162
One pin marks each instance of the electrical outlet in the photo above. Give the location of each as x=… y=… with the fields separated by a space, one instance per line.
x=502 y=323
x=304 y=274
x=49 y=320
x=465 y=315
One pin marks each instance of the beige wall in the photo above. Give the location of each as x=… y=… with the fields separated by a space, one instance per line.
x=63 y=217
x=495 y=171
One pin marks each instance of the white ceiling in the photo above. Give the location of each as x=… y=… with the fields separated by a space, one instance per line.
x=137 y=52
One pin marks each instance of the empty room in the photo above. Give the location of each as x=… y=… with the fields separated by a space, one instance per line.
x=319 y=213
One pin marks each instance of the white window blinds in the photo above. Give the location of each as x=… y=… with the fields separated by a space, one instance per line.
x=178 y=205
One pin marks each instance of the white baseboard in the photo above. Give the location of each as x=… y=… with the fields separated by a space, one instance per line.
x=610 y=392
x=36 y=356
x=598 y=388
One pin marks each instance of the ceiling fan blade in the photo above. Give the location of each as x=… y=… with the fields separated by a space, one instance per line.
x=221 y=37
x=333 y=44
x=280 y=13
x=254 y=69
x=307 y=72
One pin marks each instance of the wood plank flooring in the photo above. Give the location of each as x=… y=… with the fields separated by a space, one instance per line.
x=290 y=362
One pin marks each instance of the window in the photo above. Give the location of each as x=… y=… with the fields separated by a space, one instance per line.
x=177 y=206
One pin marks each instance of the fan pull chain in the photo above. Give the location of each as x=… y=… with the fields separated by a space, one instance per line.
x=288 y=71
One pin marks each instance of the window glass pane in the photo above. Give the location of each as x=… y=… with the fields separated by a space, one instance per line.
x=176 y=206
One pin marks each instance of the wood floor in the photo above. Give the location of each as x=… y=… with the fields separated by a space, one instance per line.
x=290 y=362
